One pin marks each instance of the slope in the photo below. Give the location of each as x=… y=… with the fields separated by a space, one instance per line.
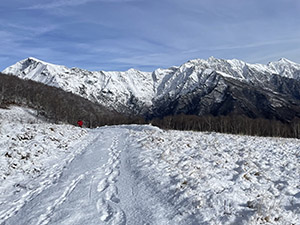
x=33 y=153
x=197 y=87
x=111 y=89
x=56 y=104
x=144 y=175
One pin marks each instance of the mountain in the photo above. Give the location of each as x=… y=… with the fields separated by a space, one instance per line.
x=222 y=87
x=197 y=87
x=112 y=89
x=57 y=105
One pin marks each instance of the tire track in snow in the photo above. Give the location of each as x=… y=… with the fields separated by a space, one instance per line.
x=108 y=203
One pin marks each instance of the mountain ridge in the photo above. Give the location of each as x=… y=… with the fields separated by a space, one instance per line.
x=199 y=84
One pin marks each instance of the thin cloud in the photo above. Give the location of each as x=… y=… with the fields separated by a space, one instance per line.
x=64 y=3
x=58 y=4
x=113 y=35
x=275 y=56
x=34 y=31
x=259 y=44
x=157 y=60
x=245 y=46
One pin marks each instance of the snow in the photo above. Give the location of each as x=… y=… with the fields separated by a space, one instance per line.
x=285 y=68
x=113 y=89
x=133 y=174
x=32 y=153
x=223 y=179
x=116 y=90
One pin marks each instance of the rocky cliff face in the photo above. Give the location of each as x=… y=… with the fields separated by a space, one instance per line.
x=198 y=87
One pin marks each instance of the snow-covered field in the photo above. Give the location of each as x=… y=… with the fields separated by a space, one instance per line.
x=60 y=174
x=32 y=154
x=223 y=179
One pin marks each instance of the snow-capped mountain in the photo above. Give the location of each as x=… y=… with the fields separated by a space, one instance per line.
x=212 y=86
x=286 y=68
x=112 y=89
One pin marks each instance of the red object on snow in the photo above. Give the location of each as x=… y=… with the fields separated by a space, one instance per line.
x=80 y=123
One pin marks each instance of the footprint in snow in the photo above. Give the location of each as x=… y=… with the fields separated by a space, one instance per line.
x=108 y=171
x=107 y=205
x=105 y=210
x=103 y=184
x=111 y=194
x=113 y=176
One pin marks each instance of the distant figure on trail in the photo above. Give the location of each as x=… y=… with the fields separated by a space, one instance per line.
x=80 y=123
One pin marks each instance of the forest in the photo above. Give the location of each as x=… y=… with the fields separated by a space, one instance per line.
x=56 y=105
x=232 y=124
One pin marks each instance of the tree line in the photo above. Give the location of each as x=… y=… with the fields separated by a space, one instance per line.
x=57 y=105
x=233 y=124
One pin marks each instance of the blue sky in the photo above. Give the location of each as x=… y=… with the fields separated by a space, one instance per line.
x=147 y=34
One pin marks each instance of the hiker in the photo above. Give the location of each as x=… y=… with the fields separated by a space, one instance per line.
x=80 y=123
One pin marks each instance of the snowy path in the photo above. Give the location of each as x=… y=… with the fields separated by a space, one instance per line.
x=100 y=186
x=143 y=175
x=85 y=193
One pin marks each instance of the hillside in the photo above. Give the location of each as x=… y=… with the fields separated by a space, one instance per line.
x=208 y=95
x=33 y=153
x=57 y=105
x=198 y=87
x=59 y=174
